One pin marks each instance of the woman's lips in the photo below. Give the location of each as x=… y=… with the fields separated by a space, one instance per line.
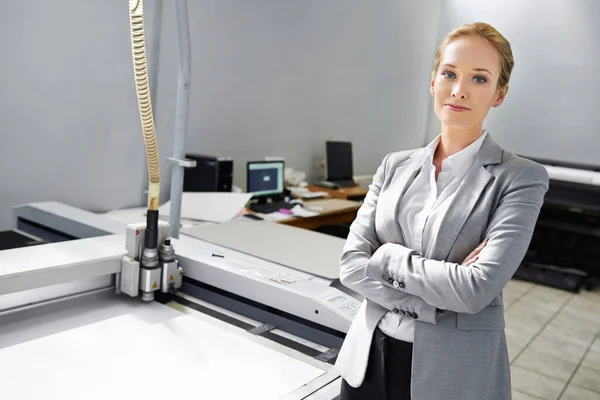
x=456 y=108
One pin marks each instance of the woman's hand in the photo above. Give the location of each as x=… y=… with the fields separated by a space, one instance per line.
x=474 y=256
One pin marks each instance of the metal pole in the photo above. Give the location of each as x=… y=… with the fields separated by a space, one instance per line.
x=181 y=116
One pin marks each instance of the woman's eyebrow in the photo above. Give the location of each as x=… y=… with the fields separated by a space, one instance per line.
x=474 y=69
x=482 y=69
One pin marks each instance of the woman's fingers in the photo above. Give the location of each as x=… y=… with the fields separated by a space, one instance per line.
x=471 y=258
x=473 y=254
x=471 y=261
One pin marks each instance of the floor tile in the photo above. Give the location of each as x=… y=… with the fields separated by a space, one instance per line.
x=575 y=324
x=593 y=295
x=587 y=378
x=562 y=334
x=592 y=360
x=520 y=323
x=586 y=304
x=527 y=306
x=574 y=392
x=563 y=351
x=552 y=293
x=513 y=350
x=552 y=336
x=548 y=299
x=525 y=318
x=596 y=346
x=536 y=385
x=527 y=311
x=510 y=298
x=517 y=336
x=516 y=395
x=518 y=287
x=579 y=311
x=545 y=365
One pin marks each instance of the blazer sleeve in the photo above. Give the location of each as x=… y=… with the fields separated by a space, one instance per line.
x=359 y=247
x=469 y=289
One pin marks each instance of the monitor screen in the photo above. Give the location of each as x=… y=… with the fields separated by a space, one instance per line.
x=338 y=159
x=265 y=178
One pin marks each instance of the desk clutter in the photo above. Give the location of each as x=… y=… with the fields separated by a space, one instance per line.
x=283 y=210
x=275 y=193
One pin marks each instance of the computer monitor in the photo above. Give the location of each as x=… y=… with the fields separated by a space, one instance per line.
x=265 y=179
x=338 y=160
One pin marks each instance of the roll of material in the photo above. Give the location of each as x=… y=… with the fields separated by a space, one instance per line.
x=574 y=175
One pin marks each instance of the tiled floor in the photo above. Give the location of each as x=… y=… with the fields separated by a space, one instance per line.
x=553 y=342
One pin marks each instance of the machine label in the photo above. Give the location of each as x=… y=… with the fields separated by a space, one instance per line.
x=171 y=277
x=154 y=285
x=340 y=302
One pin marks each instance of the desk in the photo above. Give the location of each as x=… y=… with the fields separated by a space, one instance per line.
x=332 y=211
x=350 y=193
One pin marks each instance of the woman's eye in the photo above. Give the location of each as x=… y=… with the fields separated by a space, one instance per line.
x=480 y=79
x=448 y=74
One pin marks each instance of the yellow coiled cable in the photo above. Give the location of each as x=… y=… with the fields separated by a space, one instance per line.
x=138 y=47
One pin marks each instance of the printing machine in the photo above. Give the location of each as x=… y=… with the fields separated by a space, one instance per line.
x=221 y=324
x=565 y=247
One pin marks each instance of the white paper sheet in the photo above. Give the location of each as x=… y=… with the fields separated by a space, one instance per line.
x=278 y=243
x=136 y=215
x=300 y=211
x=128 y=215
x=276 y=216
x=130 y=357
x=209 y=206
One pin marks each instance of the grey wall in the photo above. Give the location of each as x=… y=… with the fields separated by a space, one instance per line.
x=69 y=125
x=269 y=78
x=279 y=78
x=552 y=107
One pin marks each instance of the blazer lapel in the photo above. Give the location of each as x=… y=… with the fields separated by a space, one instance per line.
x=403 y=175
x=471 y=187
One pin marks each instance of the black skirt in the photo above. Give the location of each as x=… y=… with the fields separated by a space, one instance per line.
x=388 y=371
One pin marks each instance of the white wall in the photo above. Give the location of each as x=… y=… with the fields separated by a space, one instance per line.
x=552 y=107
x=278 y=78
x=69 y=125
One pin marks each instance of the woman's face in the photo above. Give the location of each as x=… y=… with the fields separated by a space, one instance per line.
x=465 y=84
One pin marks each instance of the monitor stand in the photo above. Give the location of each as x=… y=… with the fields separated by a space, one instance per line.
x=273 y=199
x=262 y=205
x=261 y=200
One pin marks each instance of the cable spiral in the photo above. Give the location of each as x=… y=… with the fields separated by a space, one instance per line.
x=138 y=47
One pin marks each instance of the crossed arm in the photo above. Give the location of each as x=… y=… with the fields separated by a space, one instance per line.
x=429 y=284
x=360 y=246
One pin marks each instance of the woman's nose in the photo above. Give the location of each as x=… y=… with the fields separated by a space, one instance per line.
x=458 y=91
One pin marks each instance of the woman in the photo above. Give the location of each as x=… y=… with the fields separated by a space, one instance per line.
x=441 y=232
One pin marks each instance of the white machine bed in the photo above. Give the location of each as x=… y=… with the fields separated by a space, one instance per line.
x=103 y=346
x=241 y=326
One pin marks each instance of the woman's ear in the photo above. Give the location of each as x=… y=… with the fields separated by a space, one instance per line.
x=501 y=96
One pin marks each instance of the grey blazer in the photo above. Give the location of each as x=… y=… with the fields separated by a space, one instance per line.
x=459 y=350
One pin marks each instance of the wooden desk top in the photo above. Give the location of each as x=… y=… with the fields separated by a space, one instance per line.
x=331 y=206
x=331 y=211
x=324 y=207
x=343 y=193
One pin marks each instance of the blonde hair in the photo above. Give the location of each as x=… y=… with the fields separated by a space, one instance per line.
x=489 y=34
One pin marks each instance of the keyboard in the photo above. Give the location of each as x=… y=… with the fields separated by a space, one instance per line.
x=268 y=208
x=345 y=183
